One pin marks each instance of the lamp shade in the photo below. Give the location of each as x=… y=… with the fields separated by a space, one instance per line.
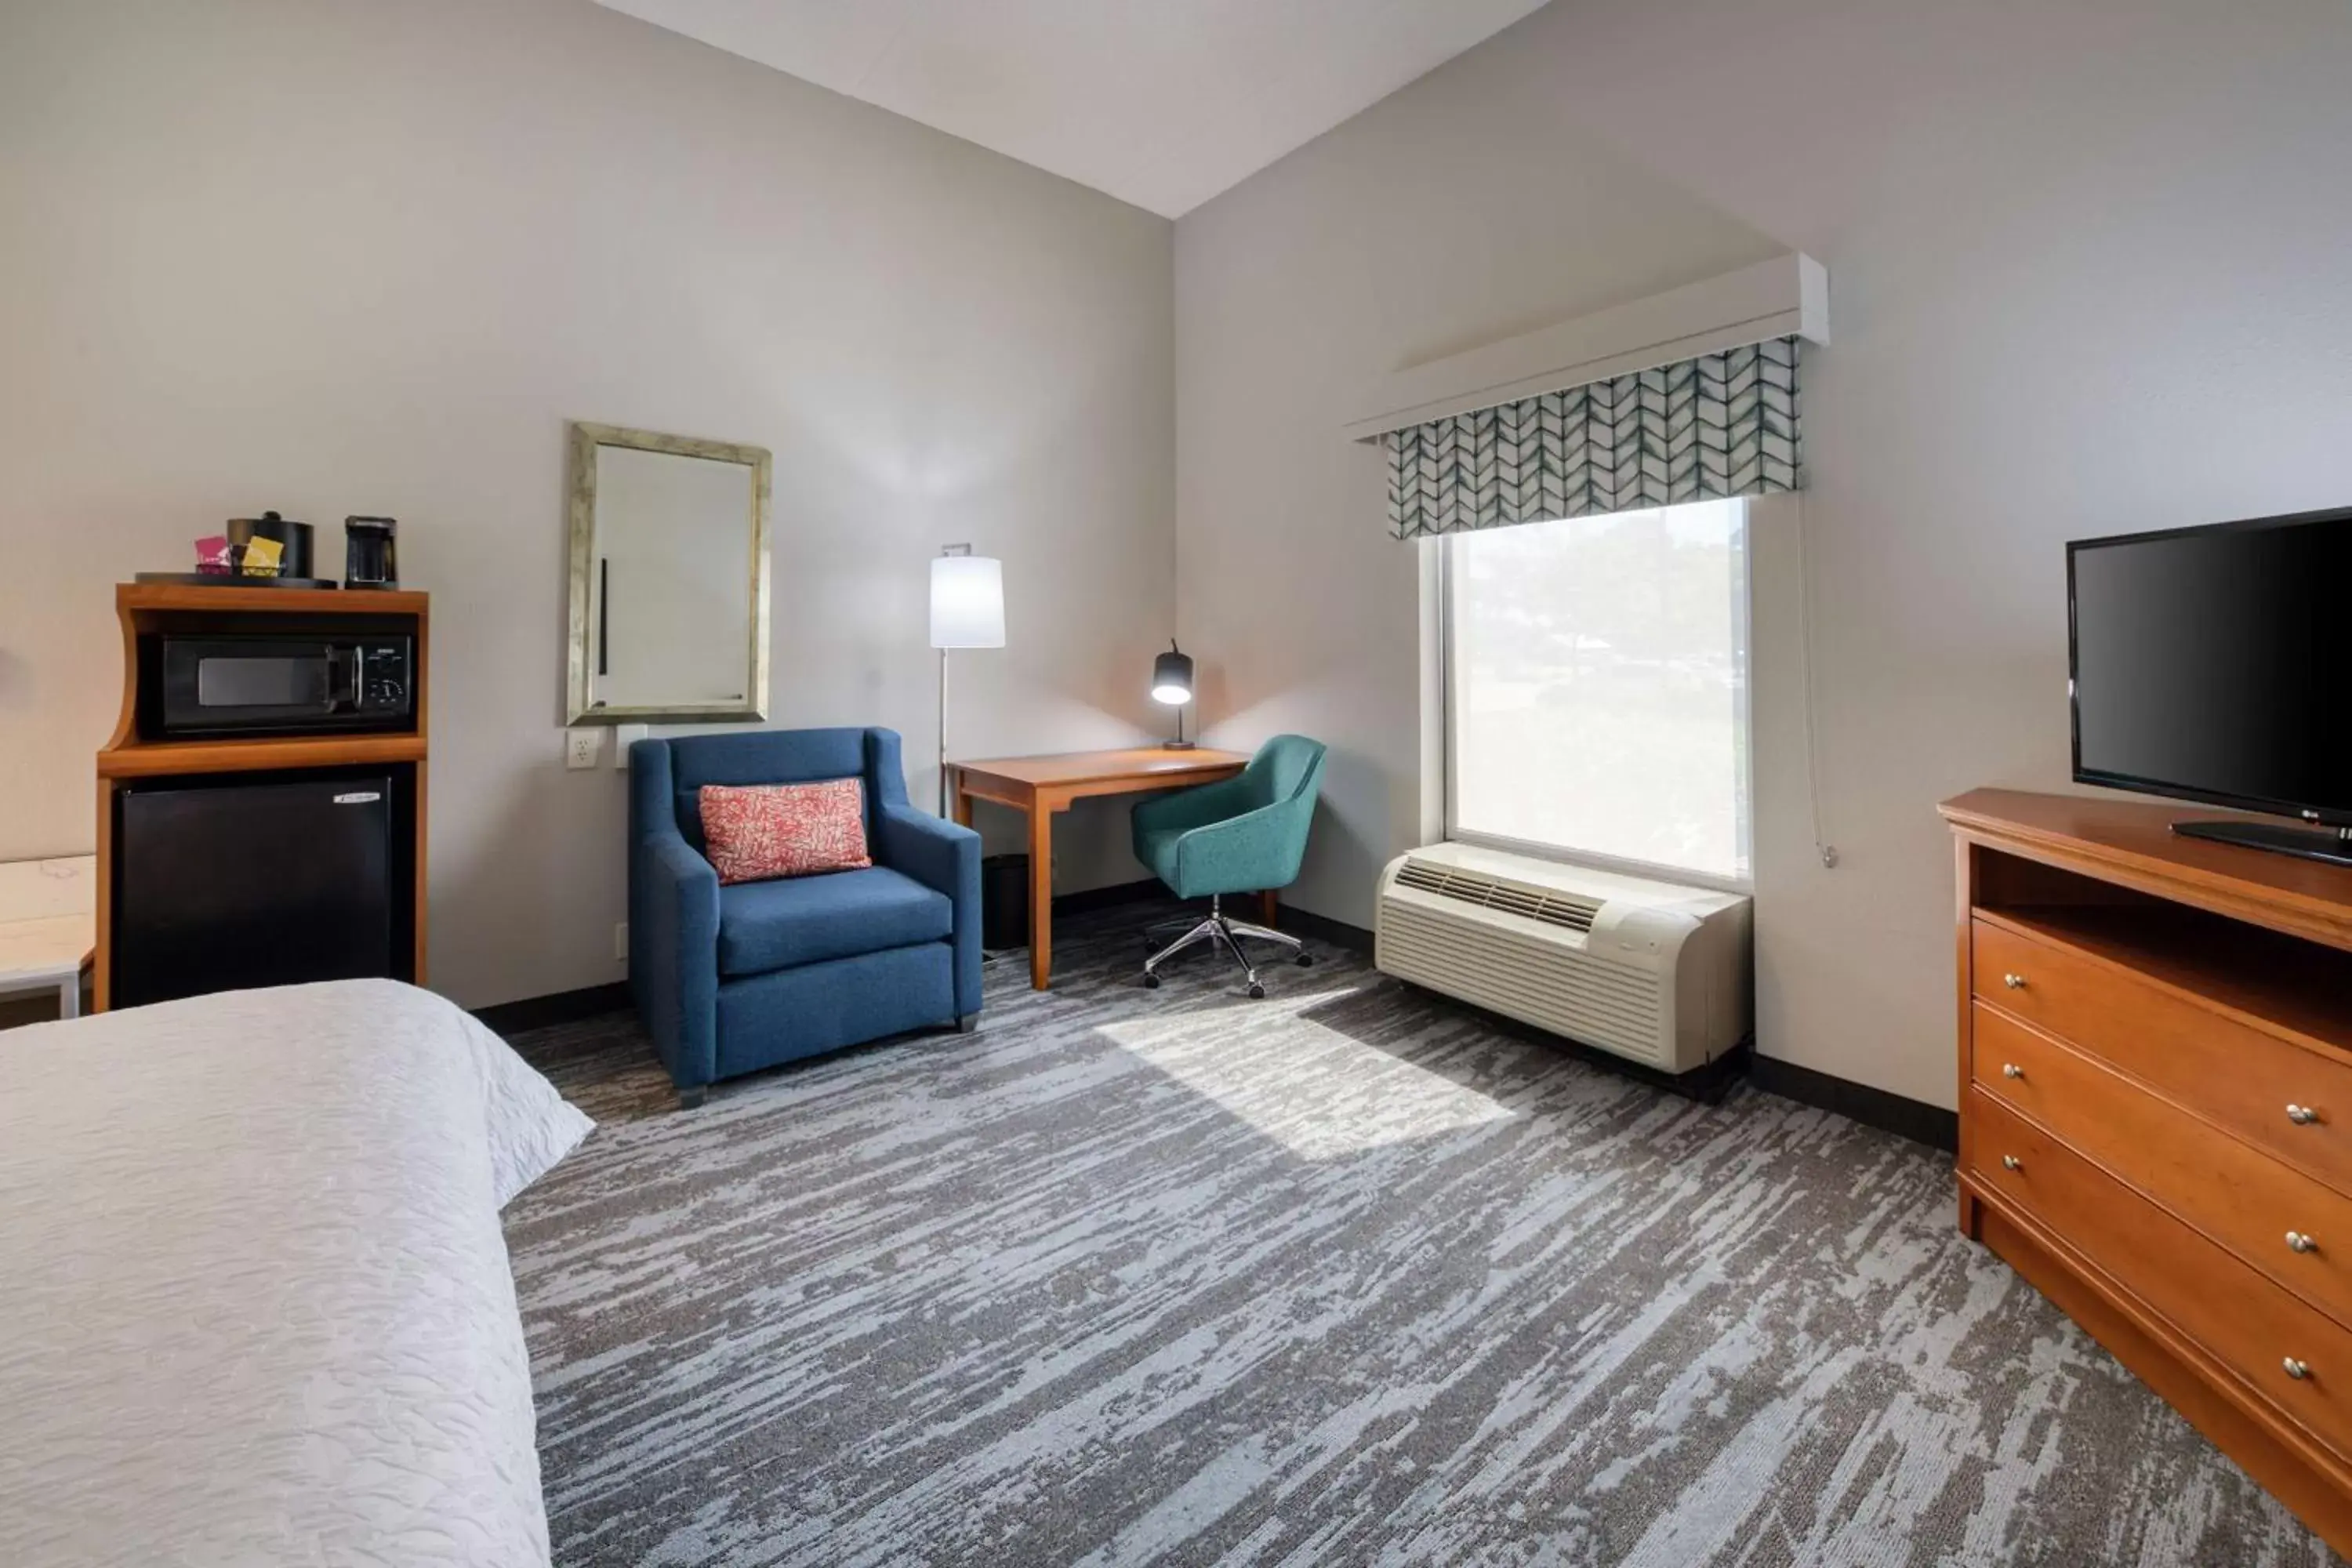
x=967 y=602
x=1171 y=678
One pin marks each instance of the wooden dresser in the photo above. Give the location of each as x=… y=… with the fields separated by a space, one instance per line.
x=2156 y=1112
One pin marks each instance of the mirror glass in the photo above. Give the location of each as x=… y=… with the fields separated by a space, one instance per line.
x=669 y=577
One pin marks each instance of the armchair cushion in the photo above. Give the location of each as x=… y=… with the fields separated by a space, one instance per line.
x=753 y=831
x=768 y=926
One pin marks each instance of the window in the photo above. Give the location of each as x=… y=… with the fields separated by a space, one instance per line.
x=1597 y=688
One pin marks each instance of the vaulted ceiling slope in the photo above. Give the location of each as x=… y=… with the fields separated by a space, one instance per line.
x=1163 y=104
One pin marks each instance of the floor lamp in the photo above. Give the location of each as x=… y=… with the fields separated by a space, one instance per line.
x=967 y=611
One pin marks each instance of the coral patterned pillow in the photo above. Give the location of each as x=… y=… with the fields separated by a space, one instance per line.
x=760 y=831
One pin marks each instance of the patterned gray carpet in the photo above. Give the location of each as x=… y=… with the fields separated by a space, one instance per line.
x=1347 y=1276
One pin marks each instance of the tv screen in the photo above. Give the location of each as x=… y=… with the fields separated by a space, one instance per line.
x=2216 y=663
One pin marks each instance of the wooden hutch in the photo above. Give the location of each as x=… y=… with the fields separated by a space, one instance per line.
x=140 y=755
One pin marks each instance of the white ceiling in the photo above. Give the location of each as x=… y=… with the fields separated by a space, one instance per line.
x=1163 y=104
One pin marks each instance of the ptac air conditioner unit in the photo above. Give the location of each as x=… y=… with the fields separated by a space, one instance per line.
x=1655 y=973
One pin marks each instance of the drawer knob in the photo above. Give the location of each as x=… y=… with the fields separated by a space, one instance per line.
x=2010 y=1069
x=2012 y=1163
x=2297 y=1370
x=2302 y=1115
x=2298 y=1242
x=2014 y=981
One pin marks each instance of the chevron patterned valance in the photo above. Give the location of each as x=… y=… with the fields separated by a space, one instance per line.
x=1720 y=425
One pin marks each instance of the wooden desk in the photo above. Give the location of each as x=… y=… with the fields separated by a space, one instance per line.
x=1044 y=786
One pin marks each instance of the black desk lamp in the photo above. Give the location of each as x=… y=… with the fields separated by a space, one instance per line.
x=1171 y=682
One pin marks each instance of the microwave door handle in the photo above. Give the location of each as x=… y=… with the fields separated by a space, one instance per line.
x=343 y=663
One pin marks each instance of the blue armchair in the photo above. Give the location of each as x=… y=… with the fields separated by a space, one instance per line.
x=1243 y=835
x=730 y=979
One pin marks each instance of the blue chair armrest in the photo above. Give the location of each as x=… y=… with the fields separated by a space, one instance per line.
x=674 y=954
x=945 y=857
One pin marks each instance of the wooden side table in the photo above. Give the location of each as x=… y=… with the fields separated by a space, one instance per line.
x=37 y=954
x=1044 y=786
x=48 y=926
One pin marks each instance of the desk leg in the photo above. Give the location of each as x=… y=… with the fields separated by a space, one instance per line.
x=1040 y=893
x=962 y=805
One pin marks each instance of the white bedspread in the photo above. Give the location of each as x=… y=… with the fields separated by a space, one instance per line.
x=255 y=1306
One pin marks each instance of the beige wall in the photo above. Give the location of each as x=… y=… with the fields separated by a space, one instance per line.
x=338 y=257
x=2088 y=275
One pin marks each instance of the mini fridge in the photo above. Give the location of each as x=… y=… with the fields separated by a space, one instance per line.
x=229 y=885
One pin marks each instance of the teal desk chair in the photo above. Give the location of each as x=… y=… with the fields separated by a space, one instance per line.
x=1244 y=835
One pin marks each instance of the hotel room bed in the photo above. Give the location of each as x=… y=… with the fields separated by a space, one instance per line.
x=254 y=1303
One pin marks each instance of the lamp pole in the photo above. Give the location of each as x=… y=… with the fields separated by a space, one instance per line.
x=967 y=611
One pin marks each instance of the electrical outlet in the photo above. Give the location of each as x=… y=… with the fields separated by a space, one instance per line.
x=620 y=942
x=582 y=747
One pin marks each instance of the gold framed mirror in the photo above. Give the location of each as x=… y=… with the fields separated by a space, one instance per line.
x=669 y=579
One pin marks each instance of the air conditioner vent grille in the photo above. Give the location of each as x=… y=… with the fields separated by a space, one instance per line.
x=1548 y=906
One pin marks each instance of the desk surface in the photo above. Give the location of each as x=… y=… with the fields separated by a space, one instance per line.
x=37 y=952
x=1095 y=767
x=47 y=926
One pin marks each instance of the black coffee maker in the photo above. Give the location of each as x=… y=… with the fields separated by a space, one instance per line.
x=369 y=559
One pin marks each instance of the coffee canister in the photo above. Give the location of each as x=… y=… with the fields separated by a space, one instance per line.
x=293 y=539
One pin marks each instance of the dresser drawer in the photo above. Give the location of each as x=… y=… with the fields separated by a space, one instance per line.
x=2290 y=1227
x=2237 y=1076
x=2258 y=1330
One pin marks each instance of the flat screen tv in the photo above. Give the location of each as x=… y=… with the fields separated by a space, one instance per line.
x=2215 y=664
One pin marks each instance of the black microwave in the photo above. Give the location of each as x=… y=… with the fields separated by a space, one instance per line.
x=290 y=685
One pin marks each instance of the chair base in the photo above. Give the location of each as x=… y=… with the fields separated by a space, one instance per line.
x=1219 y=931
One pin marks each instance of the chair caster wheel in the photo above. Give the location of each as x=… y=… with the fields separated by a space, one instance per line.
x=1150 y=981
x=1257 y=992
x=1305 y=958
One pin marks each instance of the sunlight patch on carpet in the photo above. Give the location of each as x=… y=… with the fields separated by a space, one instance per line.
x=1320 y=1093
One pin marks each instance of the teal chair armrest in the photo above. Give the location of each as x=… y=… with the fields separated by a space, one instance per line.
x=1243 y=854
